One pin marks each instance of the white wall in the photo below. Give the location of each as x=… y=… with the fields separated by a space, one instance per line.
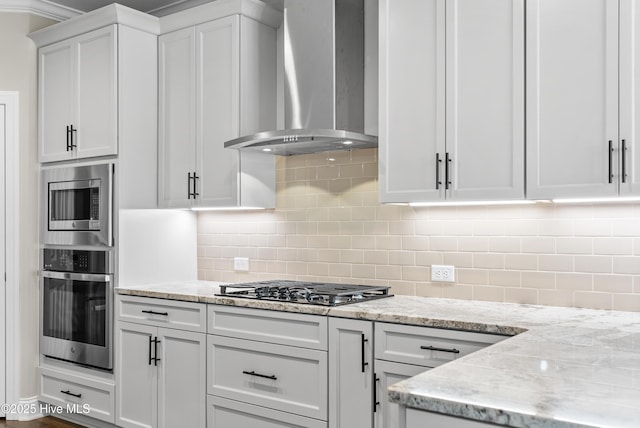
x=18 y=72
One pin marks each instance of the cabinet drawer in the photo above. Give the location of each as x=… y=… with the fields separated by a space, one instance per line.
x=280 y=377
x=76 y=394
x=162 y=313
x=284 y=328
x=427 y=347
x=223 y=413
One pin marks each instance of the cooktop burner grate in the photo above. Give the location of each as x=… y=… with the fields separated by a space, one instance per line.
x=313 y=293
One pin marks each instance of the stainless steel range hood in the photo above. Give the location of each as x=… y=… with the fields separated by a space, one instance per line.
x=324 y=81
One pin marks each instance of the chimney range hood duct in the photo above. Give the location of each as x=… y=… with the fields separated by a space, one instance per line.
x=324 y=81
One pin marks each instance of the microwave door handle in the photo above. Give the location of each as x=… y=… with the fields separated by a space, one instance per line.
x=78 y=276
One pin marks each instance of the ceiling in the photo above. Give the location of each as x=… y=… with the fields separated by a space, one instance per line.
x=153 y=7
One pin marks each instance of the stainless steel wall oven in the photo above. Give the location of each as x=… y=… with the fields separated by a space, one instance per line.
x=76 y=306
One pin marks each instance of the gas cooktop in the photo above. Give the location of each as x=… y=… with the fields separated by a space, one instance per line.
x=313 y=293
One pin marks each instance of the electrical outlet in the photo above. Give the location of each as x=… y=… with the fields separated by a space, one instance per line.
x=241 y=264
x=443 y=273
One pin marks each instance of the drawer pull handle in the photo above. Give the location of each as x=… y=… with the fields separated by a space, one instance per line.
x=72 y=394
x=433 y=348
x=156 y=313
x=252 y=373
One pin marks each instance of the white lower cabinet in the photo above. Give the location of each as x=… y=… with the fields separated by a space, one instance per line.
x=222 y=412
x=266 y=369
x=422 y=419
x=84 y=395
x=160 y=374
x=350 y=373
x=366 y=357
x=387 y=414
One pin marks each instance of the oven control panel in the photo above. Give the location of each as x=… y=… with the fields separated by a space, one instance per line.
x=80 y=261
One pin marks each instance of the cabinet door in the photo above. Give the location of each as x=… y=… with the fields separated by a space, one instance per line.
x=97 y=93
x=388 y=373
x=629 y=98
x=412 y=100
x=420 y=419
x=181 y=379
x=572 y=98
x=56 y=105
x=350 y=373
x=485 y=99
x=137 y=380
x=224 y=413
x=218 y=52
x=177 y=98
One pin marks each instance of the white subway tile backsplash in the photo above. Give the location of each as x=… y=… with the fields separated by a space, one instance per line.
x=613 y=283
x=555 y=262
x=593 y=300
x=595 y=264
x=626 y=302
x=613 y=246
x=330 y=226
x=488 y=261
x=574 y=281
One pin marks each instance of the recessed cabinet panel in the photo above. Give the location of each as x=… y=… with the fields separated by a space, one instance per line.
x=224 y=413
x=485 y=99
x=280 y=377
x=61 y=388
x=629 y=147
x=97 y=93
x=177 y=139
x=78 y=91
x=388 y=414
x=218 y=101
x=56 y=105
x=412 y=83
x=427 y=347
x=572 y=98
x=214 y=82
x=420 y=419
x=137 y=382
x=351 y=368
x=452 y=110
x=181 y=379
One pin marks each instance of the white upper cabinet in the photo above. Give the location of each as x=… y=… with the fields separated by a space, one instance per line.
x=485 y=99
x=78 y=97
x=217 y=82
x=572 y=98
x=177 y=82
x=98 y=97
x=451 y=100
x=629 y=172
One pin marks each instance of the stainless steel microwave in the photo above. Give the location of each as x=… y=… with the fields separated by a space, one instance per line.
x=77 y=205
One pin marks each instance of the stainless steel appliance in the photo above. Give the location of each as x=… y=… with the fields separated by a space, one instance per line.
x=313 y=293
x=324 y=84
x=76 y=306
x=77 y=205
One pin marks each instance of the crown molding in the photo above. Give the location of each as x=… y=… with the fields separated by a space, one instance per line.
x=40 y=7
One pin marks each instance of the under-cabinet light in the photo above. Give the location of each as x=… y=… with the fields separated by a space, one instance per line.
x=469 y=203
x=228 y=209
x=594 y=200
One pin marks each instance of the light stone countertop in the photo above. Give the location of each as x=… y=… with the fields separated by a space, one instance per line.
x=564 y=367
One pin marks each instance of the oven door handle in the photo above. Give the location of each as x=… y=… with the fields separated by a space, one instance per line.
x=78 y=276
